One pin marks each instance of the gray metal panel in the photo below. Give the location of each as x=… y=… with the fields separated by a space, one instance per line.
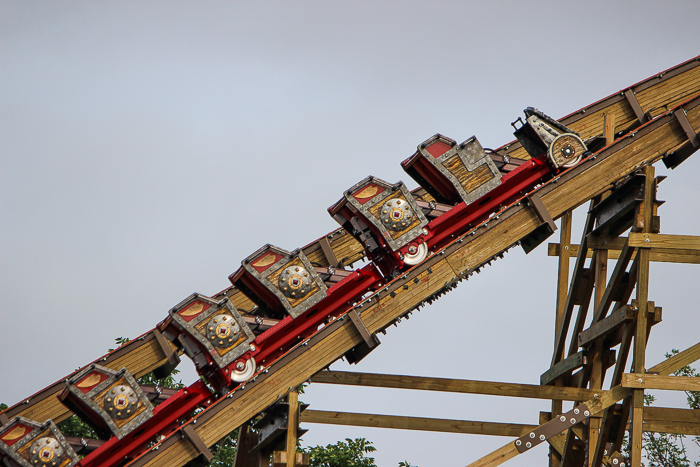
x=60 y=450
x=389 y=190
x=472 y=155
x=89 y=398
x=215 y=309
x=287 y=258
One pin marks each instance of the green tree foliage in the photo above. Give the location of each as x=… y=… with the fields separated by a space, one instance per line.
x=348 y=453
x=225 y=451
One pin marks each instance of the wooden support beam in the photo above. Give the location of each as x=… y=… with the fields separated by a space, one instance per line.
x=562 y=292
x=607 y=325
x=564 y=367
x=497 y=457
x=584 y=295
x=601 y=309
x=642 y=225
x=597 y=370
x=415 y=423
x=595 y=405
x=609 y=128
x=673 y=383
x=668 y=420
x=246 y=442
x=279 y=459
x=678 y=361
x=673 y=242
x=466 y=386
x=658 y=255
x=561 y=331
x=292 y=426
x=563 y=267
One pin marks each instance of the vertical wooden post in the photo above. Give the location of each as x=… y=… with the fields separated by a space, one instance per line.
x=292 y=424
x=609 y=128
x=563 y=269
x=643 y=224
x=597 y=371
x=246 y=442
x=562 y=292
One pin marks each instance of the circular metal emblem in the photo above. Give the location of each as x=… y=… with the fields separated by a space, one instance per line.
x=222 y=331
x=120 y=402
x=566 y=150
x=46 y=451
x=294 y=282
x=396 y=215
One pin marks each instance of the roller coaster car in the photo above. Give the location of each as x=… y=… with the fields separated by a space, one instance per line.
x=211 y=332
x=279 y=282
x=110 y=401
x=26 y=443
x=451 y=173
x=541 y=134
x=383 y=217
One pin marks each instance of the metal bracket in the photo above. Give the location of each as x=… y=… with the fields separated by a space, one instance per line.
x=328 y=251
x=544 y=231
x=172 y=358
x=682 y=118
x=192 y=436
x=616 y=212
x=636 y=108
x=371 y=341
x=541 y=210
x=552 y=428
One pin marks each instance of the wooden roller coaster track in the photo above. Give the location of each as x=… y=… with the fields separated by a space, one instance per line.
x=655 y=119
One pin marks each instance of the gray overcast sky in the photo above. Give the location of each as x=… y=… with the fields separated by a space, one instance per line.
x=147 y=147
